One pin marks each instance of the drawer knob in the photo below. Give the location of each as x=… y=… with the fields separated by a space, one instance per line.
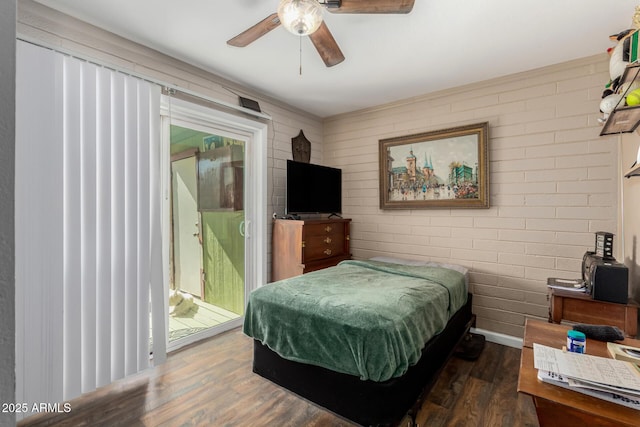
x=327 y=240
x=328 y=228
x=328 y=251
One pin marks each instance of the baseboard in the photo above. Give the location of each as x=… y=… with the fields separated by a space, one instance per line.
x=499 y=338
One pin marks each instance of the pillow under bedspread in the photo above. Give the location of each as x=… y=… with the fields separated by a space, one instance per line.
x=364 y=318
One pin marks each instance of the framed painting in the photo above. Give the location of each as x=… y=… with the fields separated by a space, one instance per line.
x=446 y=168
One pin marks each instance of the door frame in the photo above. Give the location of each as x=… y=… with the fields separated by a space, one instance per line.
x=254 y=133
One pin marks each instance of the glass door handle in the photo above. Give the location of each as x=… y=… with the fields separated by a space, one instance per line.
x=241 y=229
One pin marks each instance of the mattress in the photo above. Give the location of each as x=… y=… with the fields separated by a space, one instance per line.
x=369 y=319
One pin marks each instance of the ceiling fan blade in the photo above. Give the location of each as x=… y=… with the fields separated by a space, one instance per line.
x=373 y=6
x=254 y=33
x=326 y=46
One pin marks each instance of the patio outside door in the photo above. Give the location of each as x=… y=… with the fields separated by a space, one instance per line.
x=207 y=289
x=187 y=246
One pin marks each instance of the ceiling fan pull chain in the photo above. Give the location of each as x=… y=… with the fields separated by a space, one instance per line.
x=300 y=38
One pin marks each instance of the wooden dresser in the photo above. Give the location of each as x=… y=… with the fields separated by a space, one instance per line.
x=301 y=246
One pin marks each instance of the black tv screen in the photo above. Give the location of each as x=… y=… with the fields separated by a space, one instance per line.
x=313 y=188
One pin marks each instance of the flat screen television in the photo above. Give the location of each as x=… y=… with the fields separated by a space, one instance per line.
x=313 y=189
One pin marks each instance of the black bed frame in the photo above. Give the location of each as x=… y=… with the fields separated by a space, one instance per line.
x=368 y=402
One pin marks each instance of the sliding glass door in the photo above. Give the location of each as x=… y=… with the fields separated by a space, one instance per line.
x=208 y=214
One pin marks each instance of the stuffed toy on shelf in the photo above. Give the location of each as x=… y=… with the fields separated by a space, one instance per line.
x=616 y=92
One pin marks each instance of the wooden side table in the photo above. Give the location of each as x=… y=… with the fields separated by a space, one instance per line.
x=582 y=308
x=557 y=406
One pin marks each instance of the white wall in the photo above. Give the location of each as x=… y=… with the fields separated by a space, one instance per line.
x=7 y=163
x=553 y=184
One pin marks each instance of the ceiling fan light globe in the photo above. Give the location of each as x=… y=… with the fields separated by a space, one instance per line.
x=300 y=17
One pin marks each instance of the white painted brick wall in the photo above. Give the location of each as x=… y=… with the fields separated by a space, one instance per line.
x=554 y=182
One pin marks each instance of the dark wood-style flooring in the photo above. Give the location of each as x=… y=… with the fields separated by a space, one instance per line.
x=211 y=384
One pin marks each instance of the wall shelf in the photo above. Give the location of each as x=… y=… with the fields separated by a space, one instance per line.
x=624 y=119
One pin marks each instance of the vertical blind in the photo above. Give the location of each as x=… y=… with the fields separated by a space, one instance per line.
x=88 y=234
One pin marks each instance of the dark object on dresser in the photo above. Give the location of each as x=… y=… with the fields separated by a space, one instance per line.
x=600 y=332
x=607 y=279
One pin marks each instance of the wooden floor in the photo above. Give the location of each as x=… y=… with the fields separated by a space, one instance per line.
x=211 y=384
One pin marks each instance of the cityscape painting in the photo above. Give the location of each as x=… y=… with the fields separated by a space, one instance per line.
x=442 y=169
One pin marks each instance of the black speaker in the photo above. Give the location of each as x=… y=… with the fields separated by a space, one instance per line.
x=609 y=282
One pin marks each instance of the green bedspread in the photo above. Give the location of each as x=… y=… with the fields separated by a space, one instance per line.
x=365 y=318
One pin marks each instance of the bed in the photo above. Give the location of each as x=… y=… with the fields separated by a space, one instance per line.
x=362 y=339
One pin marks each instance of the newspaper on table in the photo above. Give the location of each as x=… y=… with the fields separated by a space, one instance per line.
x=609 y=379
x=629 y=401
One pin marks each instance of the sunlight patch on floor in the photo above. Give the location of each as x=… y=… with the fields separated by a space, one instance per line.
x=206 y=316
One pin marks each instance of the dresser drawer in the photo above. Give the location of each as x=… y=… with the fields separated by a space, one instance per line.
x=316 y=248
x=323 y=241
x=321 y=230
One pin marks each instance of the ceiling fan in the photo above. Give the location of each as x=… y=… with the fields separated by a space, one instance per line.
x=304 y=17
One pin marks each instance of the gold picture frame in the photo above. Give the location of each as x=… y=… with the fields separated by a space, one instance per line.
x=447 y=168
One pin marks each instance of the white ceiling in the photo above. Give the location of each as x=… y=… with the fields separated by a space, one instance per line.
x=440 y=44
